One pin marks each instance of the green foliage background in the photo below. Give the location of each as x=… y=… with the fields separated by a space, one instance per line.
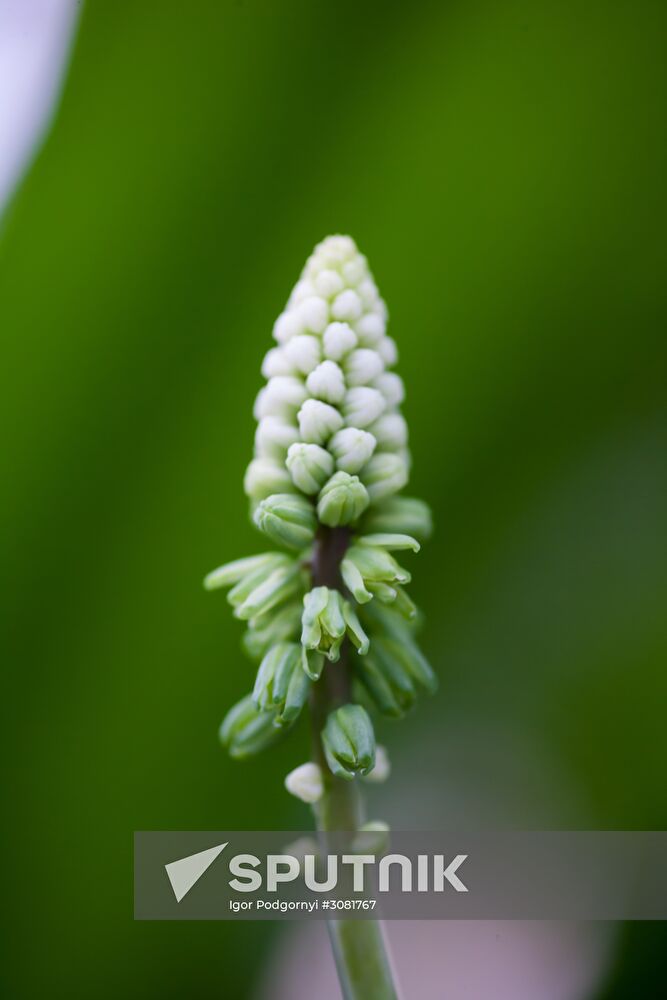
x=502 y=166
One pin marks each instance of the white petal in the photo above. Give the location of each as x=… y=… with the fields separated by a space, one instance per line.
x=346 y=306
x=327 y=382
x=362 y=366
x=362 y=406
x=304 y=352
x=318 y=421
x=339 y=338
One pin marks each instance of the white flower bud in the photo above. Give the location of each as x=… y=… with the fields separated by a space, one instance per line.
x=370 y=329
x=385 y=474
x=352 y=448
x=305 y=782
x=362 y=366
x=276 y=363
x=309 y=466
x=327 y=382
x=346 y=306
x=313 y=314
x=281 y=396
x=382 y=768
x=391 y=386
x=264 y=477
x=355 y=270
x=274 y=436
x=303 y=352
x=287 y=325
x=339 y=338
x=302 y=290
x=390 y=432
x=318 y=421
x=368 y=293
x=362 y=406
x=328 y=283
x=388 y=351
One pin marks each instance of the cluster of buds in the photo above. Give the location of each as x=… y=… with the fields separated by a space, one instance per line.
x=331 y=454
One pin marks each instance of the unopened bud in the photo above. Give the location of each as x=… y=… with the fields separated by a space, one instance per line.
x=287 y=519
x=309 y=466
x=348 y=741
x=385 y=474
x=352 y=448
x=342 y=500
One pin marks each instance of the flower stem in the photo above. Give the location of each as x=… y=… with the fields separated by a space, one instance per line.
x=359 y=947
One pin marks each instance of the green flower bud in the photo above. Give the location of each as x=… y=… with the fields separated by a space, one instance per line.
x=342 y=500
x=312 y=663
x=348 y=741
x=389 y=686
x=356 y=633
x=400 y=514
x=323 y=622
x=385 y=474
x=369 y=571
x=400 y=643
x=287 y=519
x=309 y=466
x=233 y=572
x=247 y=584
x=278 y=586
x=278 y=626
x=354 y=581
x=246 y=731
x=281 y=685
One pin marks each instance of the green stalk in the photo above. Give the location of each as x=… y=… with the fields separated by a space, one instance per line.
x=359 y=947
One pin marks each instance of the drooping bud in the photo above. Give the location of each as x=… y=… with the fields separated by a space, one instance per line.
x=391 y=542
x=406 y=515
x=281 y=686
x=266 y=630
x=306 y=783
x=275 y=588
x=309 y=466
x=348 y=741
x=246 y=731
x=342 y=500
x=323 y=622
x=352 y=448
x=366 y=569
x=288 y=519
x=233 y=572
x=385 y=474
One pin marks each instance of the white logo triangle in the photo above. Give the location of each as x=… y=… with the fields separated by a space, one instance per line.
x=186 y=871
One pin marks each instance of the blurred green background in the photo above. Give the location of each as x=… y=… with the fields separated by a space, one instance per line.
x=503 y=167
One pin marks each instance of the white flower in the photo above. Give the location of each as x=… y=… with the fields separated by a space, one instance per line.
x=274 y=436
x=391 y=386
x=309 y=467
x=362 y=366
x=390 y=432
x=362 y=406
x=281 y=396
x=327 y=382
x=339 y=338
x=371 y=329
x=303 y=352
x=328 y=283
x=276 y=363
x=346 y=306
x=388 y=351
x=313 y=314
x=318 y=421
x=352 y=448
x=305 y=782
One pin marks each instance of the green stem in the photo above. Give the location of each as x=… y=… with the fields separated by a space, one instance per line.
x=359 y=947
